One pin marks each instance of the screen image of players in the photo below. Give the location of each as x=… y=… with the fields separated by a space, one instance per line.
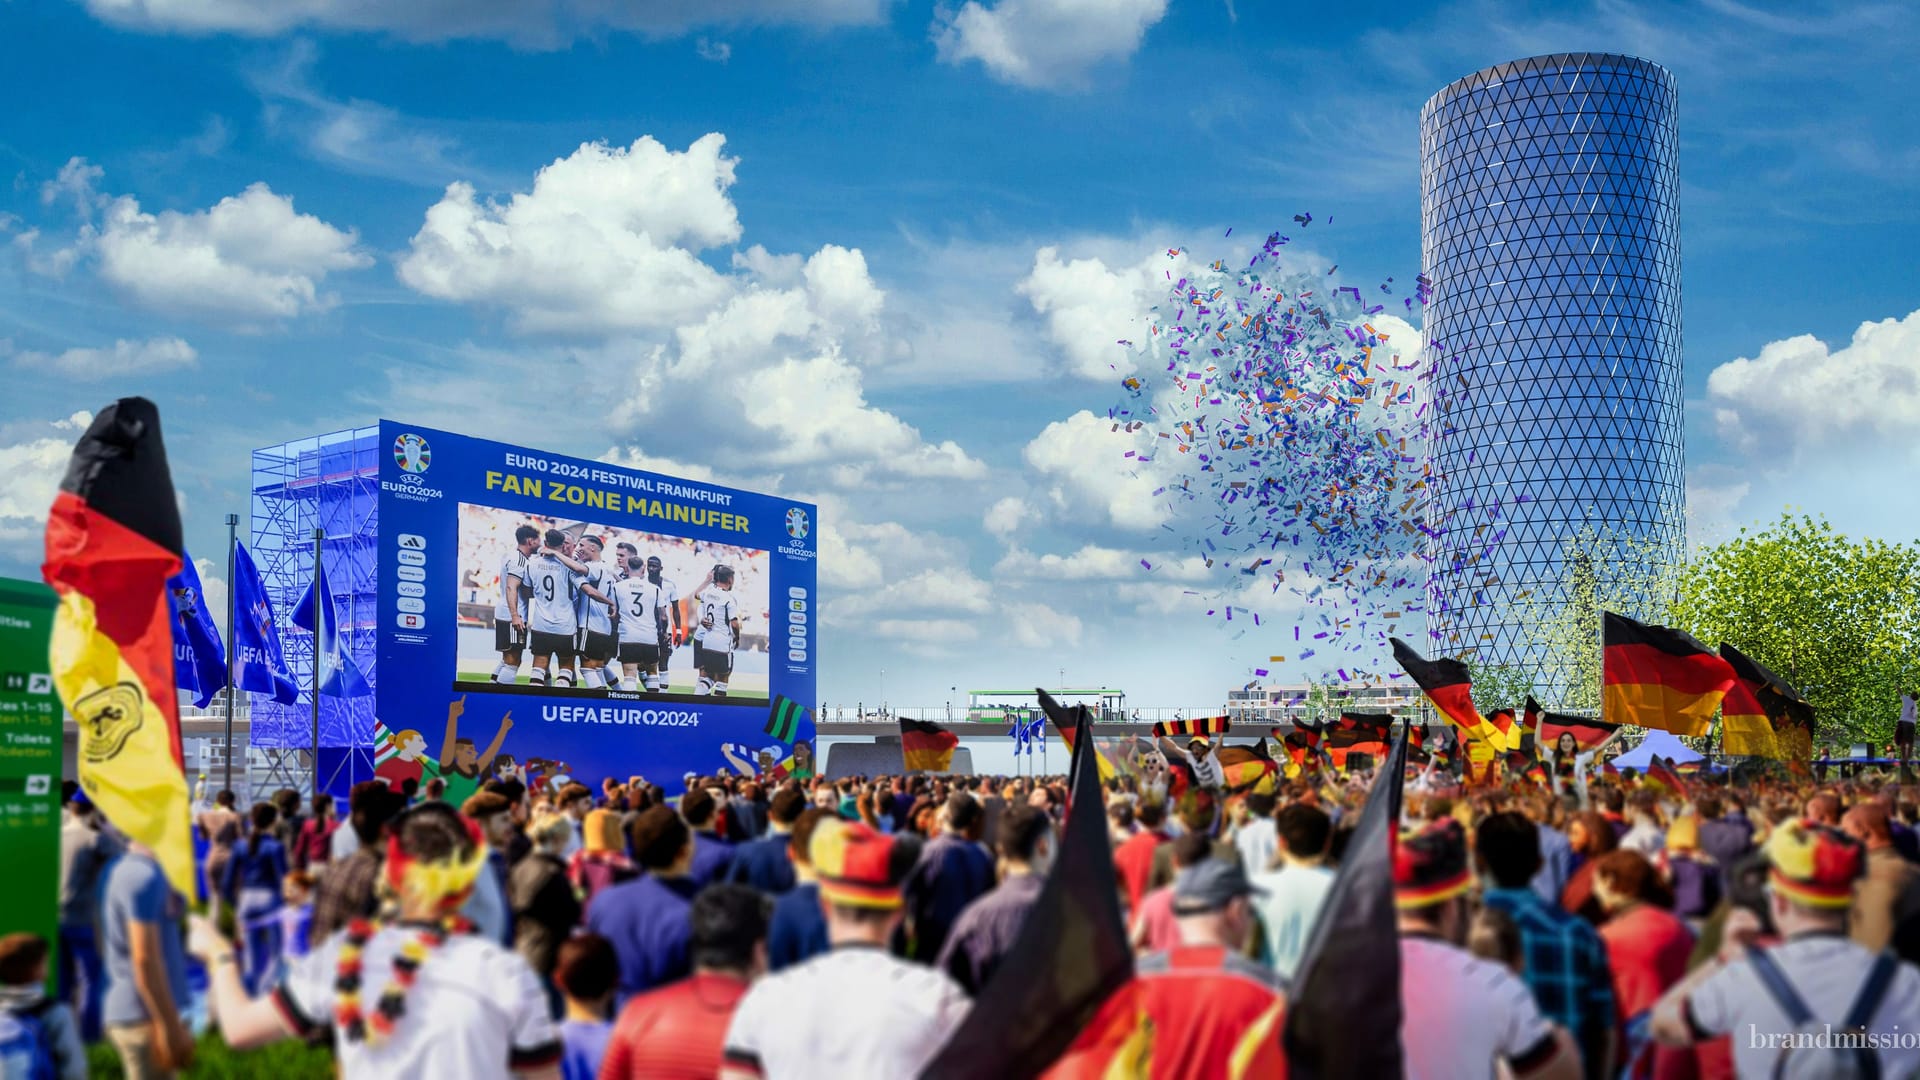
x=717 y=629
x=640 y=606
x=510 y=611
x=594 y=642
x=669 y=635
x=557 y=581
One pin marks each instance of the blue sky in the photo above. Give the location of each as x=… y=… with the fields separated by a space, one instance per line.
x=890 y=280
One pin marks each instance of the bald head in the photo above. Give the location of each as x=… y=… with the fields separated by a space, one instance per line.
x=1869 y=824
x=1824 y=808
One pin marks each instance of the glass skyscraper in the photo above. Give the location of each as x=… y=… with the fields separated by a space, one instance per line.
x=1550 y=235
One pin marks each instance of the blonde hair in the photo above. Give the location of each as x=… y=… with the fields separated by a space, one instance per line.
x=1684 y=833
x=601 y=831
x=550 y=830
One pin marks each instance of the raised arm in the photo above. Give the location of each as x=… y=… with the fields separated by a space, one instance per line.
x=454 y=709
x=499 y=736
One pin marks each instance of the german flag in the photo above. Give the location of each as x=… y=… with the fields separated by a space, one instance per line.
x=1789 y=716
x=1550 y=726
x=1302 y=746
x=1661 y=771
x=926 y=747
x=1359 y=732
x=1506 y=734
x=1530 y=720
x=783 y=717
x=1448 y=685
x=1201 y=727
x=1744 y=728
x=1659 y=677
x=113 y=540
x=1067 y=722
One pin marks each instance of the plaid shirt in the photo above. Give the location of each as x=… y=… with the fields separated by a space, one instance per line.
x=1565 y=967
x=346 y=891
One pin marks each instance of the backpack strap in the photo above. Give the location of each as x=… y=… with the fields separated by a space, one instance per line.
x=1873 y=991
x=1780 y=988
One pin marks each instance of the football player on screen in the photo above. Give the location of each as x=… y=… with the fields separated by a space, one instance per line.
x=557 y=581
x=594 y=610
x=717 y=630
x=670 y=596
x=639 y=605
x=510 y=612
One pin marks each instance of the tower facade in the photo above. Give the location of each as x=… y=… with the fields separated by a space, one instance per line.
x=1550 y=235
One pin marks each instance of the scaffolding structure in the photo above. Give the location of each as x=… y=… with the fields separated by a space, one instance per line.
x=329 y=482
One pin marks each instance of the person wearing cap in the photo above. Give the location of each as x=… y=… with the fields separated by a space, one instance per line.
x=855 y=1010
x=1462 y=1015
x=1811 y=873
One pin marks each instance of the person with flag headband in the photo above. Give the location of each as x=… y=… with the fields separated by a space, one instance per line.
x=113 y=543
x=1659 y=677
x=199 y=658
x=926 y=747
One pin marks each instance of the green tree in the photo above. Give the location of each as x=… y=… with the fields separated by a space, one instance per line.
x=1837 y=618
x=1501 y=686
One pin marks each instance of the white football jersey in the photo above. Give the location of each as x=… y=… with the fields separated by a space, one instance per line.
x=592 y=614
x=514 y=565
x=715 y=609
x=642 y=604
x=551 y=610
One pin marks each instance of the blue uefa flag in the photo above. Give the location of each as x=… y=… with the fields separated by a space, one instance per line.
x=1036 y=733
x=256 y=639
x=199 y=659
x=339 y=675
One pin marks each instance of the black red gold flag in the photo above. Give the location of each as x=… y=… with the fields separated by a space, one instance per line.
x=1550 y=726
x=1788 y=714
x=1066 y=721
x=1659 y=677
x=1449 y=686
x=113 y=541
x=926 y=747
x=1205 y=726
x=1359 y=732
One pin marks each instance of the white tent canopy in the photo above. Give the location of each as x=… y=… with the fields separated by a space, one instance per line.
x=1657 y=743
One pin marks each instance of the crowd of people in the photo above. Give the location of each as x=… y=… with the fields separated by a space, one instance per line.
x=843 y=928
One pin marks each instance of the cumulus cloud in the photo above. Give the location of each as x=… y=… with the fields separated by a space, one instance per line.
x=122 y=358
x=1037 y=626
x=1799 y=393
x=1093 y=562
x=30 y=471
x=1089 y=308
x=1008 y=515
x=548 y=25
x=1083 y=460
x=1044 y=43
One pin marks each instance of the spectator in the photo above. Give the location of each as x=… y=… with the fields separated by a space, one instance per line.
x=766 y=863
x=1120 y=826
x=679 y=1032
x=711 y=854
x=296 y=919
x=646 y=918
x=1566 y=961
x=146 y=967
x=1646 y=830
x=797 y=929
x=603 y=861
x=86 y=851
x=1133 y=860
x=586 y=971
x=435 y=790
x=1592 y=836
x=286 y=828
x=36 y=1031
x=746 y=815
x=1647 y=950
x=517 y=846
x=576 y=801
x=252 y=885
x=1726 y=836
x=451 y=1003
x=348 y=890
x=1291 y=897
x=314 y=843
x=798 y=1022
x=1811 y=874
x=1462 y=1015
x=1155 y=927
x=953 y=871
x=545 y=909
x=1556 y=857
x=987 y=928
x=1690 y=872
x=221 y=827
x=1255 y=837
x=1887 y=876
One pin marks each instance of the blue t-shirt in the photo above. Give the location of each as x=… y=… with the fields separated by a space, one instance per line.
x=711 y=856
x=798 y=929
x=766 y=864
x=648 y=921
x=584 y=1043
x=137 y=891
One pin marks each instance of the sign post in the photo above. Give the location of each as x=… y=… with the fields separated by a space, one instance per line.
x=30 y=746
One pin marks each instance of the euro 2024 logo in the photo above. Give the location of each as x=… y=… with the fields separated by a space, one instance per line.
x=797 y=523
x=412 y=453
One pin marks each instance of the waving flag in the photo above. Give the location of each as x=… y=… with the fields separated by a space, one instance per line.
x=1659 y=677
x=1036 y=733
x=113 y=543
x=1449 y=686
x=256 y=640
x=1550 y=727
x=339 y=675
x=926 y=747
x=1066 y=722
x=783 y=717
x=199 y=659
x=1789 y=715
x=1201 y=727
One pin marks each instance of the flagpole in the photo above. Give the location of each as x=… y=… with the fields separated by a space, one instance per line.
x=233 y=603
x=314 y=667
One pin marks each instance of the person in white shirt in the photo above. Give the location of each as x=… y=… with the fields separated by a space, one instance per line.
x=1295 y=893
x=670 y=596
x=472 y=1008
x=1810 y=881
x=717 y=630
x=594 y=642
x=510 y=611
x=855 y=1010
x=1463 y=1017
x=640 y=605
x=552 y=617
x=1254 y=837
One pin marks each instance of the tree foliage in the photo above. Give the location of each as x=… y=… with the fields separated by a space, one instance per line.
x=1837 y=618
x=1600 y=568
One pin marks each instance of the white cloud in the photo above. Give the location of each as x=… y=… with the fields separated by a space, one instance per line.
x=30 y=472
x=1037 y=626
x=596 y=246
x=1798 y=393
x=1092 y=562
x=718 y=52
x=77 y=182
x=213 y=589
x=355 y=135
x=1084 y=460
x=818 y=411
x=548 y=25
x=1044 y=43
x=1004 y=518
x=1089 y=309
x=121 y=359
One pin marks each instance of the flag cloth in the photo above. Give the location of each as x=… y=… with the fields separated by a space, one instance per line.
x=1065 y=722
x=1659 y=677
x=1661 y=771
x=1789 y=714
x=256 y=639
x=1359 y=732
x=1343 y=1014
x=926 y=747
x=783 y=717
x=1449 y=686
x=1744 y=726
x=1506 y=733
x=1207 y=726
x=1070 y=954
x=1530 y=720
x=113 y=542
x=339 y=675
x=1035 y=734
x=1550 y=726
x=199 y=659
x=383 y=744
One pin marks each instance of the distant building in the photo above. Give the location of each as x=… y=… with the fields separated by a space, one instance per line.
x=1282 y=705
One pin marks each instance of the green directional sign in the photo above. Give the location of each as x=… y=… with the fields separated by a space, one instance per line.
x=30 y=740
